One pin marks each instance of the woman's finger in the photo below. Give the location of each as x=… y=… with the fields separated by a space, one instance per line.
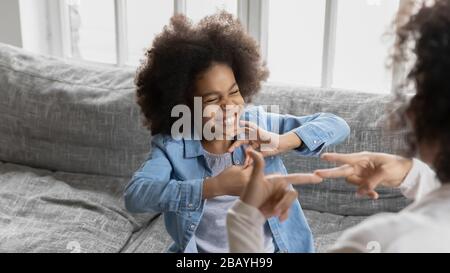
x=354 y=180
x=258 y=166
x=279 y=188
x=344 y=158
x=373 y=194
x=248 y=161
x=363 y=191
x=341 y=171
x=286 y=202
x=284 y=215
x=302 y=178
x=273 y=176
x=371 y=182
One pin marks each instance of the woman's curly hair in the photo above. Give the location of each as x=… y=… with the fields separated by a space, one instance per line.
x=182 y=52
x=426 y=37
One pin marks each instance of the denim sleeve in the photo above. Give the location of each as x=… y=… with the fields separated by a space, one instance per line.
x=152 y=188
x=316 y=131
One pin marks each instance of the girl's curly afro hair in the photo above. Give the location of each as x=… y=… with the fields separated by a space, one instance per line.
x=182 y=52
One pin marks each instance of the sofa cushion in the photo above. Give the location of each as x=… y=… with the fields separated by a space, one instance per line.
x=364 y=112
x=326 y=229
x=151 y=239
x=68 y=116
x=43 y=211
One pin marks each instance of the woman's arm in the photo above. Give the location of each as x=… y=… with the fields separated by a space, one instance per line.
x=367 y=171
x=245 y=228
x=420 y=181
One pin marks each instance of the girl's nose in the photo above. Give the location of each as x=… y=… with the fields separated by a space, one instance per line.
x=223 y=106
x=225 y=102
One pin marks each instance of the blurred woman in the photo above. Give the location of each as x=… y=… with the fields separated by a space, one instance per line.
x=424 y=226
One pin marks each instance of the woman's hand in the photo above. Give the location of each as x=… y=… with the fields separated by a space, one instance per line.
x=271 y=194
x=266 y=142
x=368 y=170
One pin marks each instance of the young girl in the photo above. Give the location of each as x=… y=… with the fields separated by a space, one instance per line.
x=194 y=181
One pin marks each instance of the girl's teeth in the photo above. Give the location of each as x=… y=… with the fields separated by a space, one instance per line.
x=229 y=121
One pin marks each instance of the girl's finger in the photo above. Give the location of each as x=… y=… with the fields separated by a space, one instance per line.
x=236 y=144
x=248 y=124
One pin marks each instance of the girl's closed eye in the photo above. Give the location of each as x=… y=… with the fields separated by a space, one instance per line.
x=211 y=100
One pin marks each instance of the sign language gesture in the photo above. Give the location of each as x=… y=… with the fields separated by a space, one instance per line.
x=367 y=170
x=266 y=142
x=271 y=194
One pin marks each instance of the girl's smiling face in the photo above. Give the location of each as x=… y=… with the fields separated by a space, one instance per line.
x=222 y=102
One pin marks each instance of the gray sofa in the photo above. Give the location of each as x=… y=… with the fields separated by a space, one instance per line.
x=71 y=137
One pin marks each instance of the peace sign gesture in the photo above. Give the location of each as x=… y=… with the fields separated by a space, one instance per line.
x=367 y=170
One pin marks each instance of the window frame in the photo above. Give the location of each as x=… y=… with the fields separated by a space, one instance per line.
x=254 y=15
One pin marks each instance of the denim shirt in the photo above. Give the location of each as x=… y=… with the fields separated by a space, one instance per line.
x=171 y=180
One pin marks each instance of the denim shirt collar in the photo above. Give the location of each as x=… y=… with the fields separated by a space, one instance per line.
x=192 y=148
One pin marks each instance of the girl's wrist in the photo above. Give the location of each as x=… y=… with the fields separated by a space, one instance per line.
x=211 y=188
x=289 y=141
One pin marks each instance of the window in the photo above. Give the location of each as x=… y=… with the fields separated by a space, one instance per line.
x=197 y=9
x=119 y=31
x=92 y=39
x=362 y=45
x=295 y=41
x=145 y=19
x=321 y=43
x=331 y=43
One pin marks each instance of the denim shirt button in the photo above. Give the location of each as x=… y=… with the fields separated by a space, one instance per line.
x=238 y=162
x=192 y=227
x=190 y=206
x=316 y=141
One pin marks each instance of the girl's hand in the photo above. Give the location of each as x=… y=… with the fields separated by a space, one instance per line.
x=231 y=181
x=271 y=194
x=266 y=142
x=368 y=170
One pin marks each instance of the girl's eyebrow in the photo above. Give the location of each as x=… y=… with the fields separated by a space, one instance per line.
x=218 y=92
x=232 y=86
